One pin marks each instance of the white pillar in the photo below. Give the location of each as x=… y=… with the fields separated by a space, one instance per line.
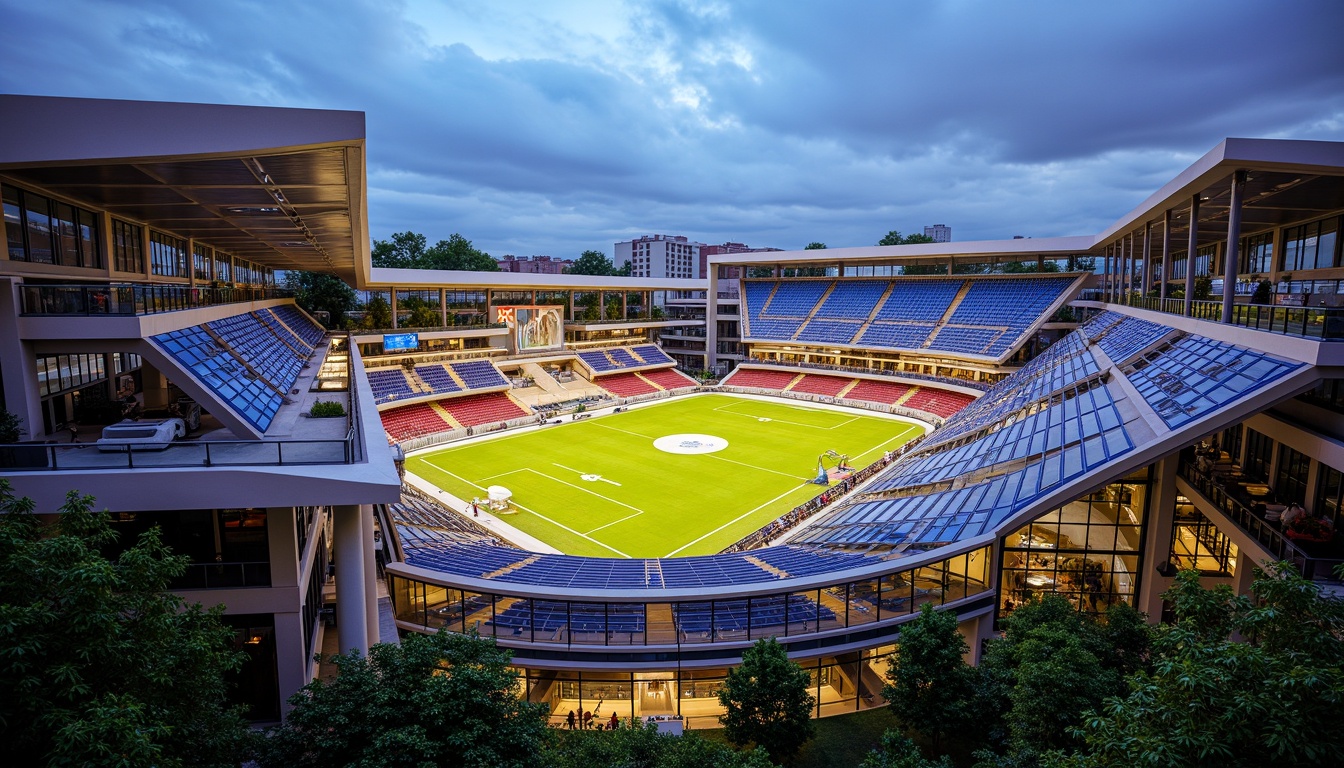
x=351 y=615
x=1157 y=543
x=370 y=574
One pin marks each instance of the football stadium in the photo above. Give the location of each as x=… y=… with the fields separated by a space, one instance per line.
x=625 y=480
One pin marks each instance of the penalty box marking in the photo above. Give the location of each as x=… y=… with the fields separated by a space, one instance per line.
x=728 y=408
x=529 y=510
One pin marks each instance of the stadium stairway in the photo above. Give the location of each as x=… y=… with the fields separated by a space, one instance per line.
x=446 y=416
x=815 y=308
x=542 y=379
x=759 y=563
x=852 y=384
x=951 y=310
x=877 y=307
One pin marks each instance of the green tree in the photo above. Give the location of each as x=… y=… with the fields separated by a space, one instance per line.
x=767 y=701
x=457 y=252
x=10 y=427
x=644 y=747
x=1273 y=697
x=761 y=271
x=930 y=688
x=592 y=263
x=1264 y=293
x=99 y=664
x=316 y=292
x=624 y=271
x=1203 y=288
x=894 y=237
x=377 y=313
x=1053 y=665
x=815 y=246
x=441 y=699
x=897 y=751
x=404 y=250
x=1019 y=267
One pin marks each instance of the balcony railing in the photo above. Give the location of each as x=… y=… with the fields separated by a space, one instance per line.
x=224 y=575
x=1315 y=560
x=1325 y=323
x=134 y=299
x=37 y=457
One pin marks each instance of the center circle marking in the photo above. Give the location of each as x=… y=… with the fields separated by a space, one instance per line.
x=690 y=444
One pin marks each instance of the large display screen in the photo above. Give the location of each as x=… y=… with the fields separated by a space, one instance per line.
x=400 y=342
x=534 y=327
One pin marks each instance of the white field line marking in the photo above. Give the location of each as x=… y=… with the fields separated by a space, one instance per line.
x=753 y=466
x=613 y=522
x=730 y=522
x=581 y=473
x=538 y=514
x=581 y=488
x=492 y=477
x=728 y=409
x=618 y=429
x=903 y=433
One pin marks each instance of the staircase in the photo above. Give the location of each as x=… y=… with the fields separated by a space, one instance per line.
x=881 y=301
x=951 y=310
x=542 y=379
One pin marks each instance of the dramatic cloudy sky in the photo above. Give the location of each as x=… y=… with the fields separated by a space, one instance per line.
x=551 y=127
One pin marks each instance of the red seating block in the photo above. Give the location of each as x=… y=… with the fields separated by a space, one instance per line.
x=413 y=421
x=625 y=385
x=878 y=391
x=939 y=402
x=814 y=384
x=669 y=378
x=754 y=377
x=489 y=408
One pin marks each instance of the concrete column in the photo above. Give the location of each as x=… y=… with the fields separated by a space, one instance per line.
x=1147 y=283
x=392 y=302
x=1157 y=539
x=370 y=573
x=443 y=306
x=1166 y=251
x=154 y=386
x=1192 y=246
x=1106 y=274
x=712 y=316
x=20 y=366
x=1233 y=249
x=351 y=615
x=949 y=267
x=292 y=665
x=1241 y=582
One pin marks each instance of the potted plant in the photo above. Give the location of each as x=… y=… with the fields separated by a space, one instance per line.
x=1307 y=528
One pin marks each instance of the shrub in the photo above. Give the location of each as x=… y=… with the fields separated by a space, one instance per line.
x=324 y=409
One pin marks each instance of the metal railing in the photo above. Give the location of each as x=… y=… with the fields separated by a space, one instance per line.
x=1270 y=535
x=37 y=457
x=224 y=575
x=1325 y=323
x=978 y=385
x=134 y=299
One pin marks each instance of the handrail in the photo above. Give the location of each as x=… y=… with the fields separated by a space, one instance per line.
x=980 y=385
x=131 y=299
x=1267 y=534
x=1325 y=323
x=39 y=457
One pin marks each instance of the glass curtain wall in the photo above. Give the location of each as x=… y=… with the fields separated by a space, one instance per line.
x=1088 y=551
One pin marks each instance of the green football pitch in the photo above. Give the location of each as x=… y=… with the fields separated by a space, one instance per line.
x=599 y=487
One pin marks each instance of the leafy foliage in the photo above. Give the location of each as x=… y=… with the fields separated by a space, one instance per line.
x=897 y=751
x=593 y=263
x=1203 y=288
x=441 y=699
x=325 y=409
x=930 y=688
x=409 y=250
x=1264 y=293
x=316 y=292
x=894 y=237
x=10 y=424
x=377 y=313
x=646 y=748
x=1274 y=698
x=767 y=701
x=98 y=663
x=815 y=246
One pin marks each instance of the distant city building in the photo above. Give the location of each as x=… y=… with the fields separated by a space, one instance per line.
x=941 y=233
x=661 y=256
x=534 y=265
x=712 y=250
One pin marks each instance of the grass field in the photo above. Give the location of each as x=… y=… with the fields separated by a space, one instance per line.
x=649 y=503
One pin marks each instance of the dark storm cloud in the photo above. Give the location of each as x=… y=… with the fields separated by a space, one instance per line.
x=766 y=123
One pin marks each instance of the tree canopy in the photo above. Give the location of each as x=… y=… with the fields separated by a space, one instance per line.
x=894 y=237
x=99 y=664
x=815 y=246
x=441 y=699
x=316 y=292
x=767 y=701
x=410 y=250
x=930 y=688
x=595 y=263
x=641 y=745
x=1273 y=697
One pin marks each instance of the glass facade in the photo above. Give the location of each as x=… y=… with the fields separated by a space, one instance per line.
x=128 y=253
x=1310 y=246
x=167 y=255
x=845 y=682
x=45 y=231
x=682 y=623
x=1197 y=543
x=1088 y=551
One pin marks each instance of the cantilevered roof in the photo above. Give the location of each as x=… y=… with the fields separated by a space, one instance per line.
x=285 y=188
x=383 y=277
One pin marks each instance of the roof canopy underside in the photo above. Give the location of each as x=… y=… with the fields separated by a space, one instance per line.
x=284 y=188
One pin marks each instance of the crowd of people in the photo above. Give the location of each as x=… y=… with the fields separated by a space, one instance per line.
x=584 y=720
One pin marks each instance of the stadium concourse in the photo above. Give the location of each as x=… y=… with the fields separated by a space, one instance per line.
x=1099 y=410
